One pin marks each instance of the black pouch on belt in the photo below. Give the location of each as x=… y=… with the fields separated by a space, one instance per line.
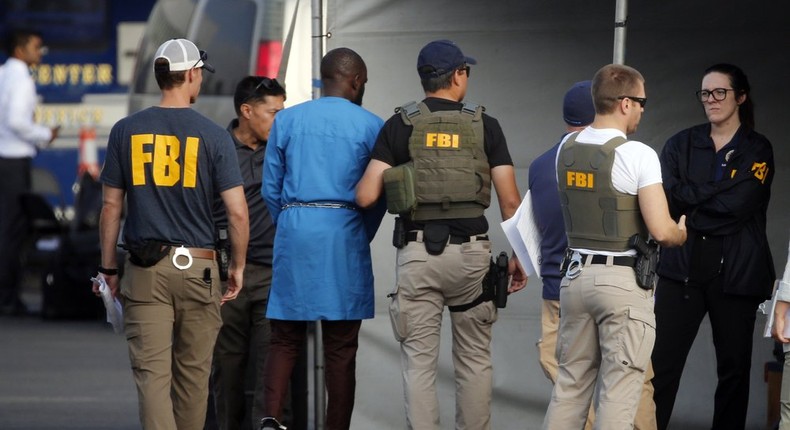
x=148 y=253
x=435 y=237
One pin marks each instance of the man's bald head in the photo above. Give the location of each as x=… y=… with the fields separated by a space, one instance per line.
x=343 y=74
x=341 y=63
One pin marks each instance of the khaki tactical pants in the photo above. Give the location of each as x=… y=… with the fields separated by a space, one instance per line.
x=171 y=321
x=607 y=331
x=425 y=285
x=547 y=348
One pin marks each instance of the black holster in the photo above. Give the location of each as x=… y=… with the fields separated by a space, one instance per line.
x=501 y=281
x=148 y=253
x=494 y=286
x=399 y=234
x=646 y=262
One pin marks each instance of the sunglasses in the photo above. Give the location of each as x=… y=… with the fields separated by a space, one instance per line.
x=641 y=100
x=203 y=58
x=267 y=83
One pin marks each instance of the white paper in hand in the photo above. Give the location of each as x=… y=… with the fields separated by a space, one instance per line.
x=111 y=304
x=524 y=236
x=769 y=322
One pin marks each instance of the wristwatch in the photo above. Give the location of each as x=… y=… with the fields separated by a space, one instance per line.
x=108 y=272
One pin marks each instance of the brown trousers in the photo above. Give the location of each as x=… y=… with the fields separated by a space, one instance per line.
x=340 y=340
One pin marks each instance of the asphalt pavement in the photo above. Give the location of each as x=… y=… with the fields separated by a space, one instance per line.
x=62 y=374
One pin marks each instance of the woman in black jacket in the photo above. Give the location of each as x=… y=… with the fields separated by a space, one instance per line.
x=719 y=175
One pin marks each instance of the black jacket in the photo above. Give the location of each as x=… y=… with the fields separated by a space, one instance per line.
x=732 y=210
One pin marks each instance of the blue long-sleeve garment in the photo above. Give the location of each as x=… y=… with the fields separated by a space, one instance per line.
x=317 y=152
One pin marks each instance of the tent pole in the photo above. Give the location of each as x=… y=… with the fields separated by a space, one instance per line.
x=317 y=10
x=620 y=22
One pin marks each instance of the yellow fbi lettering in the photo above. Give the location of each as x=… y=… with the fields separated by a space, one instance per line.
x=164 y=160
x=584 y=180
x=442 y=140
x=760 y=171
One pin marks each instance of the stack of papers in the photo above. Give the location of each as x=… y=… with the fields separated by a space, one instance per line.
x=111 y=304
x=524 y=236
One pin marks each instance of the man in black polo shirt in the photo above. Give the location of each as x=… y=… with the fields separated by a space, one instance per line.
x=245 y=332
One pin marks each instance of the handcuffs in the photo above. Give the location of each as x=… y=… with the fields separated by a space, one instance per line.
x=182 y=251
x=572 y=264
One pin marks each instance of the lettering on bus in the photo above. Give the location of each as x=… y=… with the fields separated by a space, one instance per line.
x=73 y=74
x=68 y=116
x=164 y=158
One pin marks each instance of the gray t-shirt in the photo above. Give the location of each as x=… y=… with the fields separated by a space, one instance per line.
x=170 y=162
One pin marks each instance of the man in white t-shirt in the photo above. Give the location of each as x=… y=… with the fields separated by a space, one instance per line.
x=610 y=191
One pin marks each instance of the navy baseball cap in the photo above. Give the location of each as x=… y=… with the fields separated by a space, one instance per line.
x=440 y=57
x=577 y=108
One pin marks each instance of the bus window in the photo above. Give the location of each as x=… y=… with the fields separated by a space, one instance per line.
x=225 y=32
x=169 y=20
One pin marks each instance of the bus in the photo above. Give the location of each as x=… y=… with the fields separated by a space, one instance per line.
x=241 y=37
x=84 y=79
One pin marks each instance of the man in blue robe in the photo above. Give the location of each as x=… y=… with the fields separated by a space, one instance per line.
x=316 y=154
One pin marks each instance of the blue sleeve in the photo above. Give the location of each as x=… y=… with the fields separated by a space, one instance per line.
x=274 y=172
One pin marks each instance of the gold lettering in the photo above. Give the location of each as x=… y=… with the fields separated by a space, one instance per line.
x=190 y=162
x=760 y=171
x=89 y=74
x=580 y=179
x=74 y=73
x=44 y=74
x=442 y=140
x=60 y=74
x=167 y=149
x=163 y=158
x=569 y=177
x=139 y=157
x=62 y=116
x=104 y=74
x=430 y=139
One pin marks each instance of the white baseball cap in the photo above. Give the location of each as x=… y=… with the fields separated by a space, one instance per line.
x=182 y=54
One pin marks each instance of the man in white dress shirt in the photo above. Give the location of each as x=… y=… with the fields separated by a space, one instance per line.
x=20 y=138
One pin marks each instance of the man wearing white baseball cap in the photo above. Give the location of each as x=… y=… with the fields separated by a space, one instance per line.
x=169 y=162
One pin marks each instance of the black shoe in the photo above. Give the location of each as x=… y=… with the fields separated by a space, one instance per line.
x=269 y=423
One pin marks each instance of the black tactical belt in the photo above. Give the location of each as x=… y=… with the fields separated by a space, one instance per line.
x=454 y=239
x=617 y=261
